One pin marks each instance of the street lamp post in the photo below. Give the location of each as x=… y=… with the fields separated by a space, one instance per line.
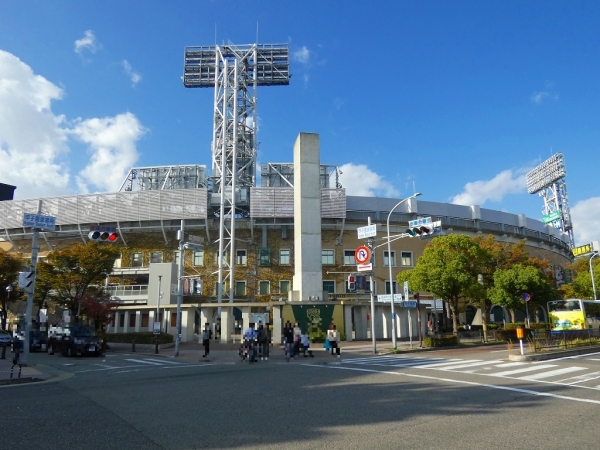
x=389 y=246
x=592 y=274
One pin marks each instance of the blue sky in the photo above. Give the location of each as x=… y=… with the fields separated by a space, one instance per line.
x=456 y=99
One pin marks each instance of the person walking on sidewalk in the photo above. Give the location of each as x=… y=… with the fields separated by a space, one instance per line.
x=288 y=341
x=263 y=341
x=297 y=334
x=206 y=336
x=333 y=336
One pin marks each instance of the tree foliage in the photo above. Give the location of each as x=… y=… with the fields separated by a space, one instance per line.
x=447 y=270
x=71 y=272
x=9 y=273
x=581 y=285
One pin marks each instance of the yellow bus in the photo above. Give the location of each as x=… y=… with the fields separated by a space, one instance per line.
x=574 y=314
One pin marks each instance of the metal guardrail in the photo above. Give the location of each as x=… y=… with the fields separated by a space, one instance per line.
x=540 y=341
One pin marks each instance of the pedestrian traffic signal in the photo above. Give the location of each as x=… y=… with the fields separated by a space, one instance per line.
x=103 y=236
x=351 y=283
x=421 y=230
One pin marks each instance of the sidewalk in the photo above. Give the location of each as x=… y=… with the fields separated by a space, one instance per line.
x=28 y=373
x=229 y=353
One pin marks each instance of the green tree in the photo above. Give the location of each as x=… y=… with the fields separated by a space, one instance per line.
x=581 y=285
x=447 y=269
x=510 y=283
x=9 y=273
x=73 y=271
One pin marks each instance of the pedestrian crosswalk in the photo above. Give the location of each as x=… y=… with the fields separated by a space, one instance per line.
x=124 y=364
x=547 y=372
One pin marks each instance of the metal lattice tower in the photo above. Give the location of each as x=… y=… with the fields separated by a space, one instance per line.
x=548 y=179
x=235 y=72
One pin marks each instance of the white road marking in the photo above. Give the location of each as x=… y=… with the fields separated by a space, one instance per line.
x=526 y=369
x=142 y=361
x=552 y=373
x=164 y=361
x=467 y=365
x=581 y=378
x=469 y=383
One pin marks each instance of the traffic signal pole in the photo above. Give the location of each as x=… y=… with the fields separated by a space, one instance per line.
x=29 y=309
x=371 y=242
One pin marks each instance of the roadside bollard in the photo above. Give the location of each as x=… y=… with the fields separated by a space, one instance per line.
x=133 y=345
x=156 y=346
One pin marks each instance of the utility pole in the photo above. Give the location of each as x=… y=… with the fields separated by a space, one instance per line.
x=370 y=244
x=180 y=272
x=29 y=308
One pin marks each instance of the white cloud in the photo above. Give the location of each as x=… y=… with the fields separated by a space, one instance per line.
x=359 y=180
x=302 y=55
x=34 y=142
x=585 y=216
x=86 y=43
x=134 y=76
x=479 y=192
x=112 y=142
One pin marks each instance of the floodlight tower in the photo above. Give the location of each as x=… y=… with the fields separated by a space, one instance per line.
x=549 y=180
x=235 y=72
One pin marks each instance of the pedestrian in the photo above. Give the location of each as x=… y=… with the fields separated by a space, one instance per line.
x=288 y=341
x=263 y=341
x=333 y=336
x=305 y=341
x=297 y=334
x=206 y=336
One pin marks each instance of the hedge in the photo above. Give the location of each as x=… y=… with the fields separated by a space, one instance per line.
x=142 y=337
x=445 y=341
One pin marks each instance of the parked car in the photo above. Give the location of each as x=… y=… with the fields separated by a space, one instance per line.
x=37 y=341
x=5 y=337
x=73 y=340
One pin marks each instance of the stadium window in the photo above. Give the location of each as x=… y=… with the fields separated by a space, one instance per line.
x=284 y=286
x=132 y=315
x=156 y=257
x=327 y=257
x=137 y=260
x=240 y=288
x=349 y=258
x=407 y=259
x=240 y=257
x=329 y=286
x=386 y=259
x=198 y=258
x=264 y=287
x=145 y=320
x=284 y=256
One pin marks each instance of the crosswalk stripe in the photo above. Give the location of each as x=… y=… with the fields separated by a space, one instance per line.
x=510 y=364
x=526 y=369
x=448 y=362
x=552 y=373
x=581 y=378
x=163 y=361
x=467 y=365
x=141 y=361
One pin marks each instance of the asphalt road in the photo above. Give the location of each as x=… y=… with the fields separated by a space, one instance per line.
x=452 y=399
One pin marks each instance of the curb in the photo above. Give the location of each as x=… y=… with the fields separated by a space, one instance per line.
x=553 y=355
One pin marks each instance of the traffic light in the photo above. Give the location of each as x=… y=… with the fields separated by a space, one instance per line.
x=421 y=230
x=103 y=236
x=351 y=283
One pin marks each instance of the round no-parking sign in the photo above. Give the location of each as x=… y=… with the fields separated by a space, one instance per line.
x=362 y=254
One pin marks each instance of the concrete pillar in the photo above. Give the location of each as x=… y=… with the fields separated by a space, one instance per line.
x=117 y=318
x=386 y=322
x=308 y=275
x=138 y=321
x=277 y=325
x=126 y=322
x=187 y=325
x=348 y=322
x=226 y=324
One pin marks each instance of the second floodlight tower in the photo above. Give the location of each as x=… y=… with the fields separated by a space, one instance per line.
x=235 y=72
x=548 y=179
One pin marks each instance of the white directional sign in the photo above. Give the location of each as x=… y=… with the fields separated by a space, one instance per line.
x=366 y=232
x=387 y=298
x=39 y=221
x=364 y=267
x=419 y=222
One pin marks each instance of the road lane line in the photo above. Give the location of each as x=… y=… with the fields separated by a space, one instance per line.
x=552 y=373
x=164 y=361
x=526 y=369
x=141 y=361
x=468 y=383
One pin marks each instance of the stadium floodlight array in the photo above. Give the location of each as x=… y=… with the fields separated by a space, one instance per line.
x=546 y=174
